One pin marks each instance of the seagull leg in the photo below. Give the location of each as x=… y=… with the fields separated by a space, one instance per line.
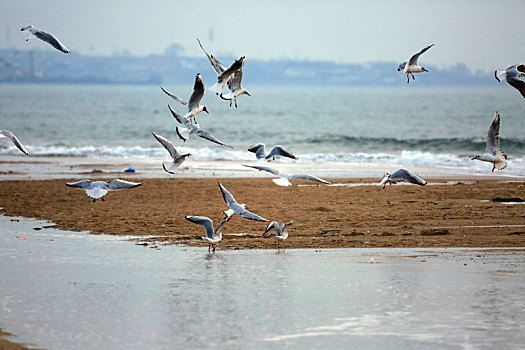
x=103 y=200
x=94 y=200
x=213 y=245
x=230 y=103
x=408 y=78
x=235 y=99
x=209 y=248
x=493 y=166
x=413 y=77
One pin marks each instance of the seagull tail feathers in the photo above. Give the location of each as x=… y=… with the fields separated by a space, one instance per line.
x=500 y=75
x=169 y=167
x=282 y=182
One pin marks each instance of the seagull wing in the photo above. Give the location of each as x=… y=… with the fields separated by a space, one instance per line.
x=236 y=66
x=258 y=149
x=118 y=184
x=167 y=145
x=271 y=225
x=513 y=78
x=227 y=196
x=178 y=99
x=407 y=175
x=204 y=222
x=281 y=151
x=264 y=168
x=198 y=92
x=178 y=117
x=234 y=84
x=251 y=216
x=83 y=184
x=210 y=137
x=493 y=135
x=217 y=66
x=308 y=177
x=413 y=59
x=52 y=40
x=14 y=140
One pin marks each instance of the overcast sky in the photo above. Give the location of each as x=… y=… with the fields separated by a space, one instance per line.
x=482 y=34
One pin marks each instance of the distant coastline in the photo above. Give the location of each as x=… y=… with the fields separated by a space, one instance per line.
x=47 y=66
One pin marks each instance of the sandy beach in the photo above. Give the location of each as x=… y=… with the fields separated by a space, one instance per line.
x=350 y=213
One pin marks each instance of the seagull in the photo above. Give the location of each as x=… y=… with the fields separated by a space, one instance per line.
x=236 y=89
x=280 y=232
x=236 y=208
x=212 y=236
x=233 y=84
x=400 y=176
x=283 y=179
x=493 y=152
x=178 y=158
x=9 y=135
x=193 y=104
x=260 y=152
x=225 y=76
x=98 y=189
x=512 y=74
x=189 y=128
x=47 y=37
x=410 y=67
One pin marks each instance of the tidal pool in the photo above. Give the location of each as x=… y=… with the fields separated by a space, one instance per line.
x=70 y=290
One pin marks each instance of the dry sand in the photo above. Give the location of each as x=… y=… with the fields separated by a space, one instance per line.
x=459 y=215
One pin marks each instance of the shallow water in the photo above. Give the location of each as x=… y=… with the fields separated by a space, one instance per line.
x=64 y=290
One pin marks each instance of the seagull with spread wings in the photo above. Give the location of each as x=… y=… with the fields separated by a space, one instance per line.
x=9 y=135
x=177 y=157
x=212 y=236
x=512 y=75
x=401 y=175
x=493 y=153
x=410 y=67
x=283 y=179
x=98 y=189
x=260 y=152
x=193 y=103
x=30 y=31
x=281 y=234
x=236 y=208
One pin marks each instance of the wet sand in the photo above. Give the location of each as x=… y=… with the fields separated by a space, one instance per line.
x=341 y=216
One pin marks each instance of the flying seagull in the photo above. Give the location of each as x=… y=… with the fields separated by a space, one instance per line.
x=280 y=232
x=283 y=179
x=400 y=176
x=234 y=84
x=193 y=104
x=178 y=158
x=236 y=208
x=236 y=89
x=47 y=37
x=9 y=135
x=512 y=75
x=189 y=128
x=225 y=76
x=410 y=67
x=260 y=152
x=493 y=152
x=98 y=189
x=212 y=236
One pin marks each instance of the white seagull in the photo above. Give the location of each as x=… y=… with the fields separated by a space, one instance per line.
x=493 y=152
x=178 y=158
x=212 y=236
x=188 y=128
x=225 y=76
x=47 y=37
x=260 y=152
x=236 y=208
x=280 y=232
x=9 y=135
x=512 y=75
x=98 y=189
x=193 y=104
x=234 y=84
x=283 y=179
x=411 y=66
x=400 y=176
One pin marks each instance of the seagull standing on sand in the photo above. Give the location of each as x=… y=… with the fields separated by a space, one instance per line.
x=283 y=179
x=512 y=75
x=400 y=176
x=193 y=104
x=411 y=66
x=493 y=153
x=260 y=152
x=189 y=128
x=236 y=208
x=280 y=232
x=98 y=189
x=178 y=158
x=212 y=236
x=234 y=84
x=47 y=37
x=9 y=135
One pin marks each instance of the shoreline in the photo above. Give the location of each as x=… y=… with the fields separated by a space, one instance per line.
x=353 y=213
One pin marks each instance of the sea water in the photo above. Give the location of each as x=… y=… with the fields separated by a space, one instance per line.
x=71 y=290
x=442 y=127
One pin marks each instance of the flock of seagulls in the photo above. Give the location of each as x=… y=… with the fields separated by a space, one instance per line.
x=232 y=78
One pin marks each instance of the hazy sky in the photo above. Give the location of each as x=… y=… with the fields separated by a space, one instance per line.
x=482 y=34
